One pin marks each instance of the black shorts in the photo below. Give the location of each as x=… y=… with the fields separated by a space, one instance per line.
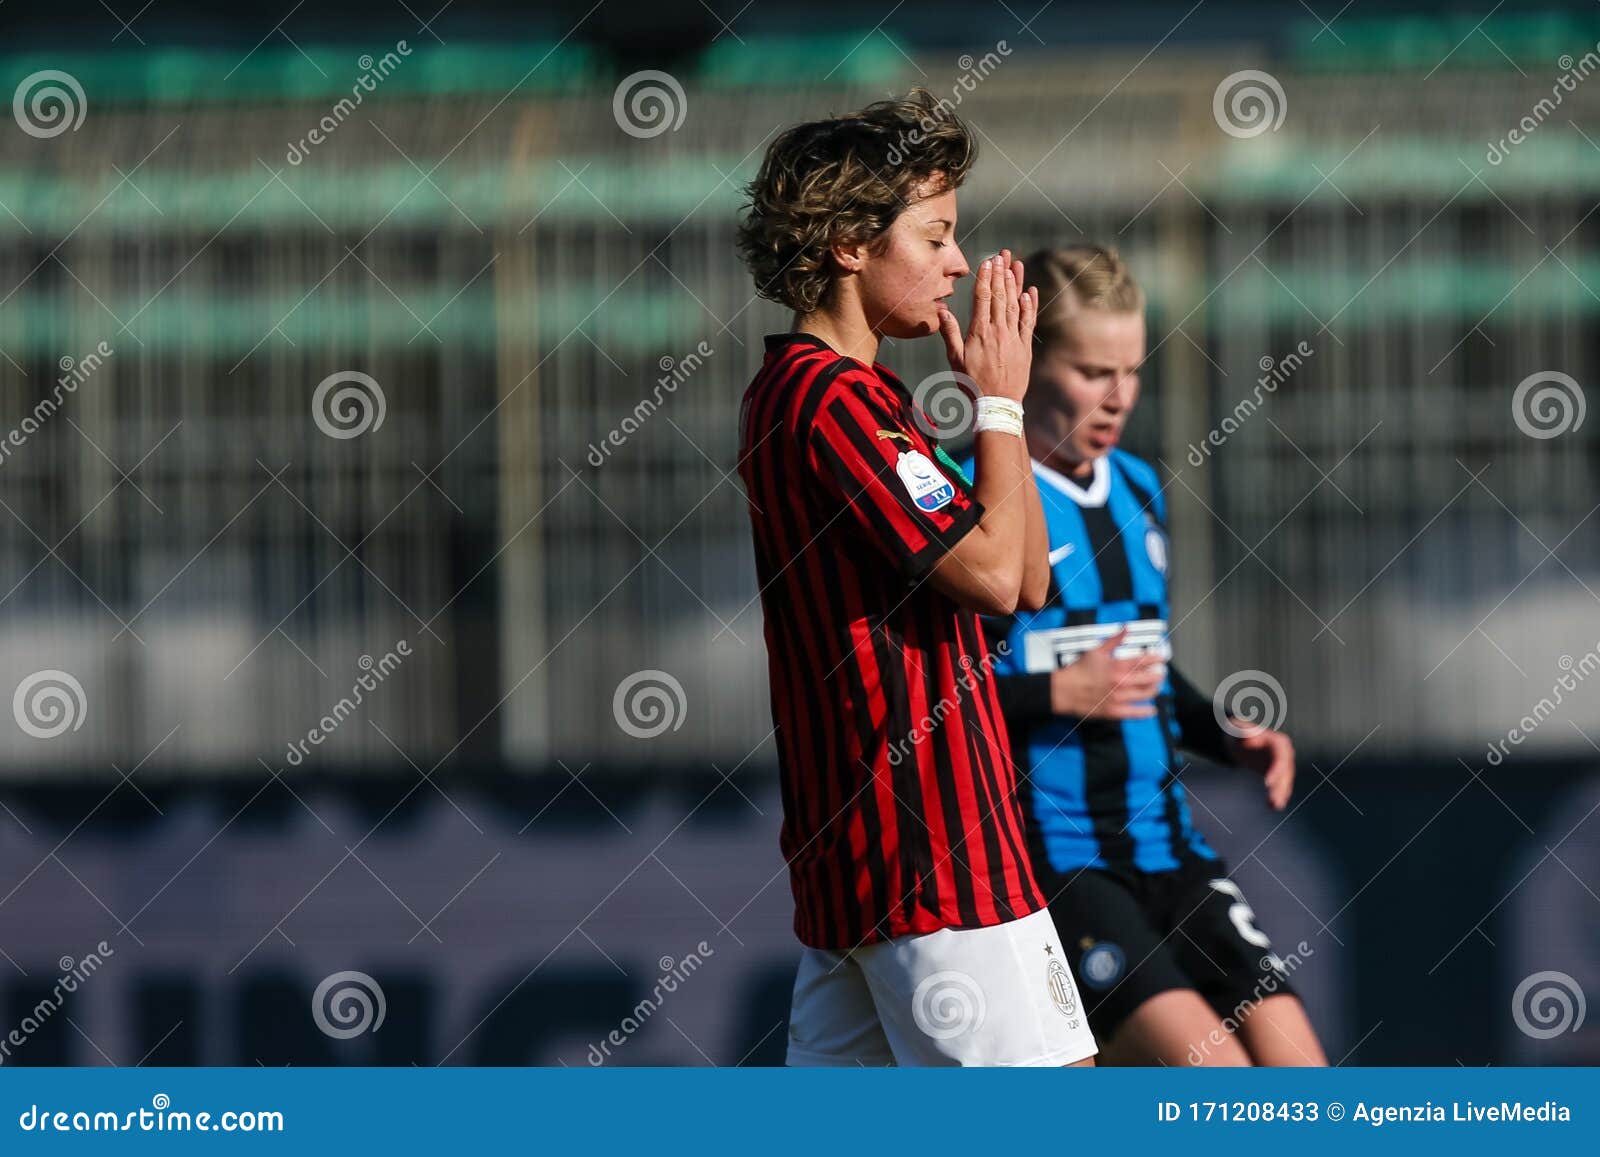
x=1132 y=935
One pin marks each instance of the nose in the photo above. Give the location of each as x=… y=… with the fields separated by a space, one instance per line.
x=959 y=267
x=1118 y=397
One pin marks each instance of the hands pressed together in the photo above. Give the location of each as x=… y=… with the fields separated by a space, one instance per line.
x=997 y=351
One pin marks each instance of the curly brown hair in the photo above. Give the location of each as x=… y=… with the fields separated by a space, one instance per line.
x=843 y=181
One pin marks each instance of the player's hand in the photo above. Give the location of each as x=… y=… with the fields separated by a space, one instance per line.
x=1098 y=685
x=997 y=351
x=1269 y=752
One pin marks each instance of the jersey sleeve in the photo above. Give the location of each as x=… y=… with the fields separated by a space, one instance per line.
x=1025 y=698
x=1197 y=720
x=867 y=456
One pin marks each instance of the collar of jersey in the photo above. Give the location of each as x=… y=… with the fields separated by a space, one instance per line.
x=1094 y=495
x=775 y=341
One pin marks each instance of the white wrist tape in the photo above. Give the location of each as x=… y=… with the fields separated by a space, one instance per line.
x=1001 y=415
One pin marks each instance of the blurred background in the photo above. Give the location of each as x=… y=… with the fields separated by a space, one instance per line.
x=376 y=596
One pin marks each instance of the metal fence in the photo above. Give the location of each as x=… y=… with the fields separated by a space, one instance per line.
x=557 y=334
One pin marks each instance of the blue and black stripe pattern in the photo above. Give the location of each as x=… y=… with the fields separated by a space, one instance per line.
x=1102 y=793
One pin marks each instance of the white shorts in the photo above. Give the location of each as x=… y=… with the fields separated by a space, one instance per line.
x=1001 y=995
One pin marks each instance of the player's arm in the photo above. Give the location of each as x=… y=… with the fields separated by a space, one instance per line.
x=986 y=569
x=1025 y=697
x=1096 y=685
x=1200 y=730
x=872 y=466
x=1243 y=744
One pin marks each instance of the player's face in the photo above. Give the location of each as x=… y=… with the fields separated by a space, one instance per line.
x=1086 y=384
x=917 y=267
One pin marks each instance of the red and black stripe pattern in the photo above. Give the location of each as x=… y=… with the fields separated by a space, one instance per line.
x=900 y=814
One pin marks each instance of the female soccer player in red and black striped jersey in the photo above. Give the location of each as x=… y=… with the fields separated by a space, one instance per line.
x=927 y=940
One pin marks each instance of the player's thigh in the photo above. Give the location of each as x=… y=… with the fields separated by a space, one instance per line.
x=1222 y=947
x=1000 y=995
x=832 y=1020
x=1278 y=1032
x=1176 y=1027
x=1113 y=945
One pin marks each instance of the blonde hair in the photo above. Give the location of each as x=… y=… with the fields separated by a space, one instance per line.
x=1078 y=278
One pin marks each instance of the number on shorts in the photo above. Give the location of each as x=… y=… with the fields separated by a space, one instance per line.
x=1243 y=916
